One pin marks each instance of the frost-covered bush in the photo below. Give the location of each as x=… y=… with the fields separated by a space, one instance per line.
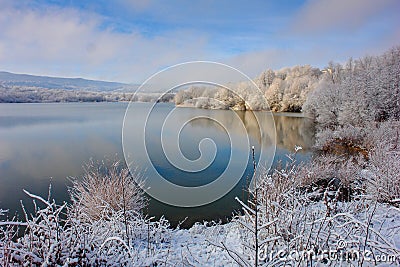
x=383 y=170
x=103 y=226
x=384 y=134
x=370 y=154
x=341 y=174
x=370 y=158
x=384 y=175
x=7 y=234
x=52 y=239
x=345 y=137
x=282 y=225
x=73 y=235
x=105 y=187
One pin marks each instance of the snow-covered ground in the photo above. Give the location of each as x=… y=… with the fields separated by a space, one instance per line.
x=374 y=232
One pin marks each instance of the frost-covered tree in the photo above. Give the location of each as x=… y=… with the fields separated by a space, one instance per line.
x=284 y=90
x=324 y=104
x=364 y=90
x=266 y=78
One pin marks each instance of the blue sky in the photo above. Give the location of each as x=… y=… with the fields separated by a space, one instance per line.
x=128 y=41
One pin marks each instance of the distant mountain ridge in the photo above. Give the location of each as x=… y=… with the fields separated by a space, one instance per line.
x=12 y=79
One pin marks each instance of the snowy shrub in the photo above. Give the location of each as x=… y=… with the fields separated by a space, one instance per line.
x=7 y=234
x=342 y=138
x=340 y=174
x=383 y=176
x=50 y=239
x=42 y=241
x=371 y=154
x=384 y=165
x=383 y=134
x=105 y=187
x=74 y=235
x=103 y=226
x=283 y=225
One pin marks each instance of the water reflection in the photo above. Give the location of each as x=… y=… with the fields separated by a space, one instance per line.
x=291 y=129
x=39 y=141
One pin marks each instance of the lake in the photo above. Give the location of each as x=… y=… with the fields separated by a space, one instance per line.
x=48 y=143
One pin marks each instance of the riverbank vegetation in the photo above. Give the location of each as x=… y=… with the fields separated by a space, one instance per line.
x=341 y=208
x=31 y=94
x=284 y=90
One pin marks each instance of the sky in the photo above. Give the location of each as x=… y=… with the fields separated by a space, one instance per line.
x=129 y=40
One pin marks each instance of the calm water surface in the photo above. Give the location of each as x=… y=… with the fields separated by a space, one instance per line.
x=48 y=143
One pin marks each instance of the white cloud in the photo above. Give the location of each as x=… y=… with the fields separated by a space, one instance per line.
x=67 y=42
x=318 y=16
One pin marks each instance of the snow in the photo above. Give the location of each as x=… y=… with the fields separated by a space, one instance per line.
x=207 y=244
